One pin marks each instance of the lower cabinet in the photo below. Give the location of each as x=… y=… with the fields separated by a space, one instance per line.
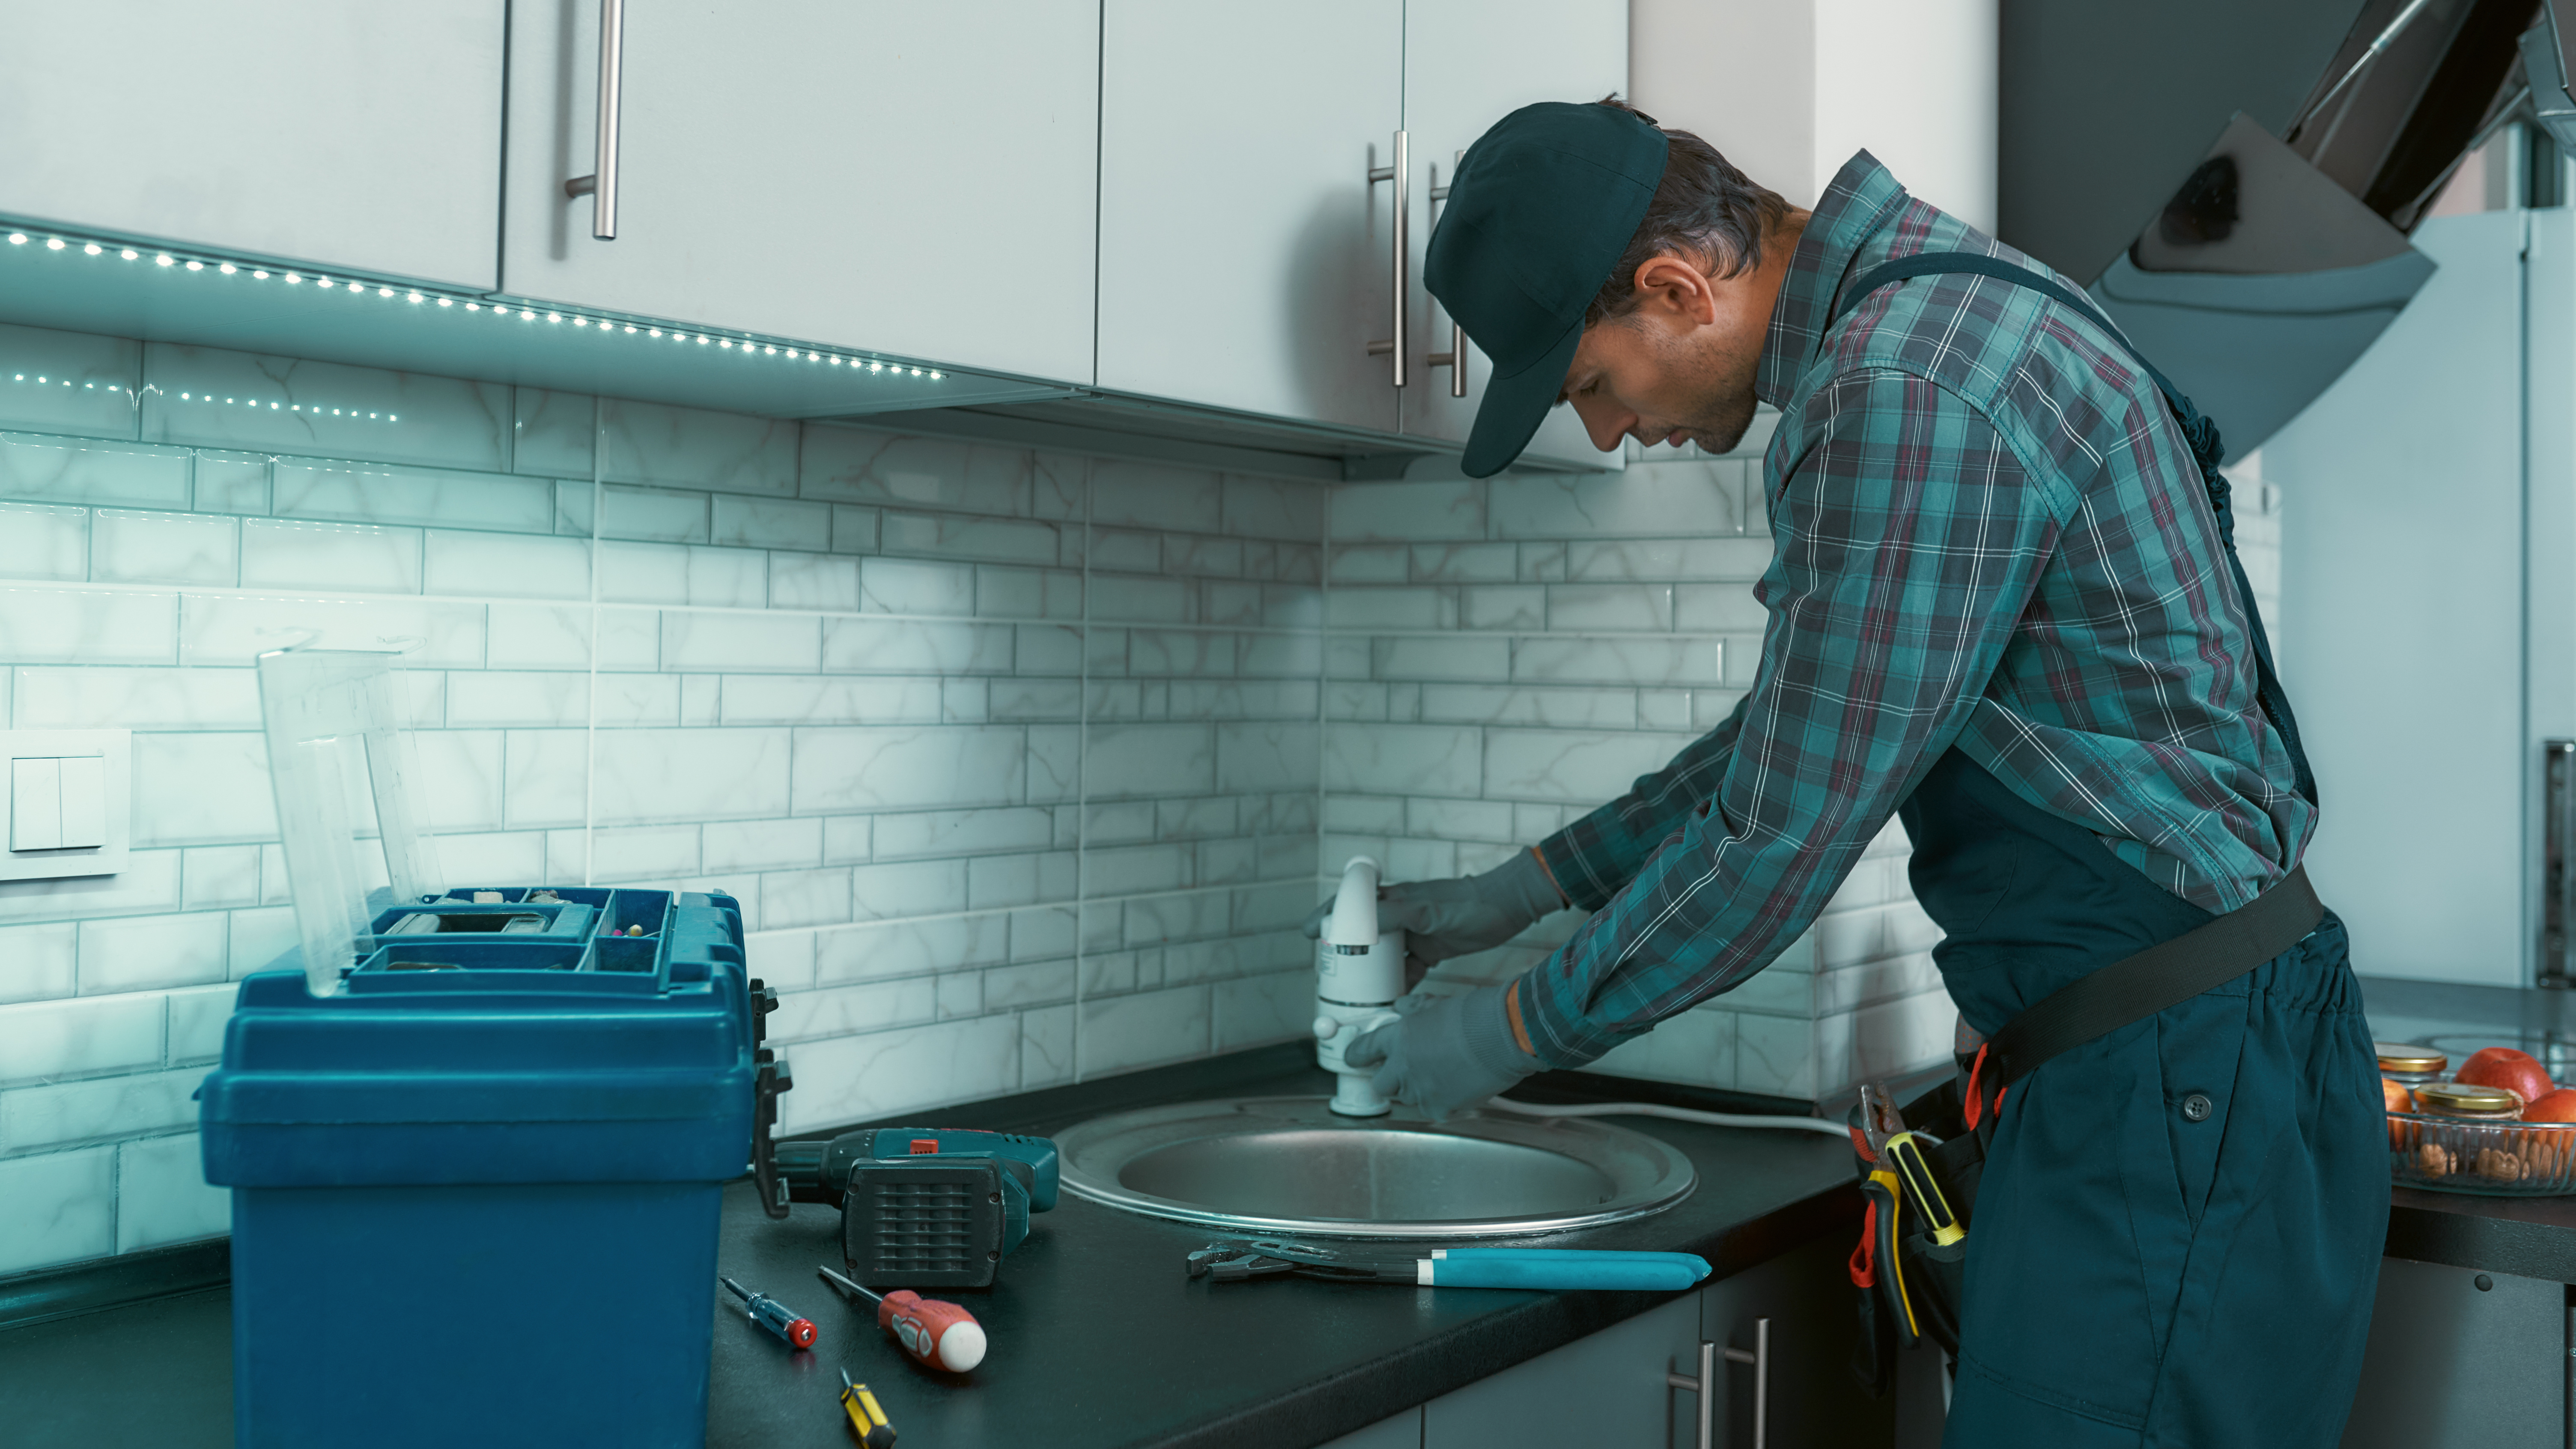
x=1611 y=1391
x=2460 y=1358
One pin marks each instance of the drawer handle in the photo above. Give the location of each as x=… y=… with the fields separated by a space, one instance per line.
x=601 y=185
x=1705 y=1384
x=1455 y=359
x=1403 y=282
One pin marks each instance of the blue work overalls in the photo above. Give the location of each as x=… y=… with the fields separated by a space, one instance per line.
x=2177 y=1232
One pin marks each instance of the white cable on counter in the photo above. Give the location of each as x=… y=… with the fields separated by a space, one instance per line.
x=1834 y=1130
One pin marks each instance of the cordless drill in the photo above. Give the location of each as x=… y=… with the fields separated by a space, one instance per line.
x=924 y=1207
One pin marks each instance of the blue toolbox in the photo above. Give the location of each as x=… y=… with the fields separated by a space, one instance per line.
x=517 y=1095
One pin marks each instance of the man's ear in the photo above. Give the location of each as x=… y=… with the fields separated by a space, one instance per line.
x=1674 y=285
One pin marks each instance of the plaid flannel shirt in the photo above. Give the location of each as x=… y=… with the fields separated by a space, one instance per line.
x=1988 y=533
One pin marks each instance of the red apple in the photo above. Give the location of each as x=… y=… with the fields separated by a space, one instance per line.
x=2557 y=1106
x=2516 y=1072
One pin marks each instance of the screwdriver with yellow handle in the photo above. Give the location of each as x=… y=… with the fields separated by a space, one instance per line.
x=1905 y=1149
x=868 y=1422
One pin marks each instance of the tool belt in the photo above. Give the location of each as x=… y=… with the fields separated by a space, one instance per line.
x=1922 y=1189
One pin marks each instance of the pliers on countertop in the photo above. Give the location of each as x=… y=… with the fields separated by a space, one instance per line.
x=1234 y=1262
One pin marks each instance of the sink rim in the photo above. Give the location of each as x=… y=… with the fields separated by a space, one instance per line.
x=1648 y=1174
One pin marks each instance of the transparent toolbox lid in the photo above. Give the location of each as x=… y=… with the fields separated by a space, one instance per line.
x=348 y=787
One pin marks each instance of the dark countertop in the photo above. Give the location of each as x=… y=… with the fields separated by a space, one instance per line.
x=1099 y=1337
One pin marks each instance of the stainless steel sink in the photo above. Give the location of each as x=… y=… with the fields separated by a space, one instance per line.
x=1288 y=1165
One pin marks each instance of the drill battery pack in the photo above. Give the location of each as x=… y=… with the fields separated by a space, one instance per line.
x=931 y=1222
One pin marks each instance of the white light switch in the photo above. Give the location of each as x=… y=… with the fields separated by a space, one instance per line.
x=70 y=806
x=84 y=802
x=36 y=804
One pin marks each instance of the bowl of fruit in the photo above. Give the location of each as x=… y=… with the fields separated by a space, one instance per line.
x=2498 y=1126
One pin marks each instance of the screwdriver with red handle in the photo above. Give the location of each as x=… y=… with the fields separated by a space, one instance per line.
x=938 y=1333
x=773 y=1315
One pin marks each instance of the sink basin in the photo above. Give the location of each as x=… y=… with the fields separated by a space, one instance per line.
x=1289 y=1165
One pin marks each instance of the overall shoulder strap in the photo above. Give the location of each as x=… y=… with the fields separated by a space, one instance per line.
x=2197 y=429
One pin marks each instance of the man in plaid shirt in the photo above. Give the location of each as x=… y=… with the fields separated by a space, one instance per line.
x=2000 y=605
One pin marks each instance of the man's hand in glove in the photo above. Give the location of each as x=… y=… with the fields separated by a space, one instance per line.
x=1445 y=918
x=1446 y=1055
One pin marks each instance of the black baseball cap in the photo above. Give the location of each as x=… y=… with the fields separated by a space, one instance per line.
x=1539 y=212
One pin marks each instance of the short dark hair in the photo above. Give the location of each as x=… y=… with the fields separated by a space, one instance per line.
x=1703 y=208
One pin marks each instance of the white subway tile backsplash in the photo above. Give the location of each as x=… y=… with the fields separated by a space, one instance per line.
x=163 y=548
x=343 y=557
x=915 y=586
x=908 y=646
x=202 y=788
x=80 y=1037
x=771 y=523
x=667 y=573
x=551 y=433
x=1657 y=499
x=653 y=775
x=162 y=1195
x=141 y=953
x=1571 y=767
x=700 y=640
x=1154 y=495
x=66 y=1114
x=1399 y=511
x=241 y=400
x=673 y=447
x=234 y=629
x=1404 y=760
x=880 y=1074
x=36 y=964
x=58 y=1207
x=439 y=497
x=1610 y=606
x=231 y=482
x=853 y=466
x=961 y=536
x=149 y=882
x=1127 y=1032
x=68 y=382
x=1557 y=659
x=39 y=541
x=68 y=470
x=505 y=566
x=908 y=767
x=654 y=515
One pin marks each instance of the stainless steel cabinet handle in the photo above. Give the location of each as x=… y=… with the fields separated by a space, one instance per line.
x=601 y=185
x=1705 y=1385
x=1397 y=173
x=1455 y=359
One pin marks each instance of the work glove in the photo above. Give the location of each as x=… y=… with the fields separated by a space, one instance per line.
x=1446 y=1055
x=1458 y=917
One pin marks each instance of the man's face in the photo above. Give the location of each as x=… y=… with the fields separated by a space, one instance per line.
x=1680 y=365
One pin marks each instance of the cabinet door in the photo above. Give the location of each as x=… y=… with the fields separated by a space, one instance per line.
x=898 y=177
x=1606 y=1391
x=1244 y=253
x=1814 y=1399
x=1468 y=63
x=358 y=136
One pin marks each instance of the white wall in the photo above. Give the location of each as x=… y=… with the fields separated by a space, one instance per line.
x=1789 y=89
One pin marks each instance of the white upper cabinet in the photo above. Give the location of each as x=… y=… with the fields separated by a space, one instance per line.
x=363 y=136
x=1245 y=256
x=916 y=179
x=1467 y=64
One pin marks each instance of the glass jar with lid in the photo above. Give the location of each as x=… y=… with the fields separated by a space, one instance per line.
x=2409 y=1065
x=2460 y=1099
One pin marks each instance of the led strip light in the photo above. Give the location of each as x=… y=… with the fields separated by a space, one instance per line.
x=742 y=344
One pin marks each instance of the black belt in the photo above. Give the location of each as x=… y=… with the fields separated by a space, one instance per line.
x=2134 y=988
